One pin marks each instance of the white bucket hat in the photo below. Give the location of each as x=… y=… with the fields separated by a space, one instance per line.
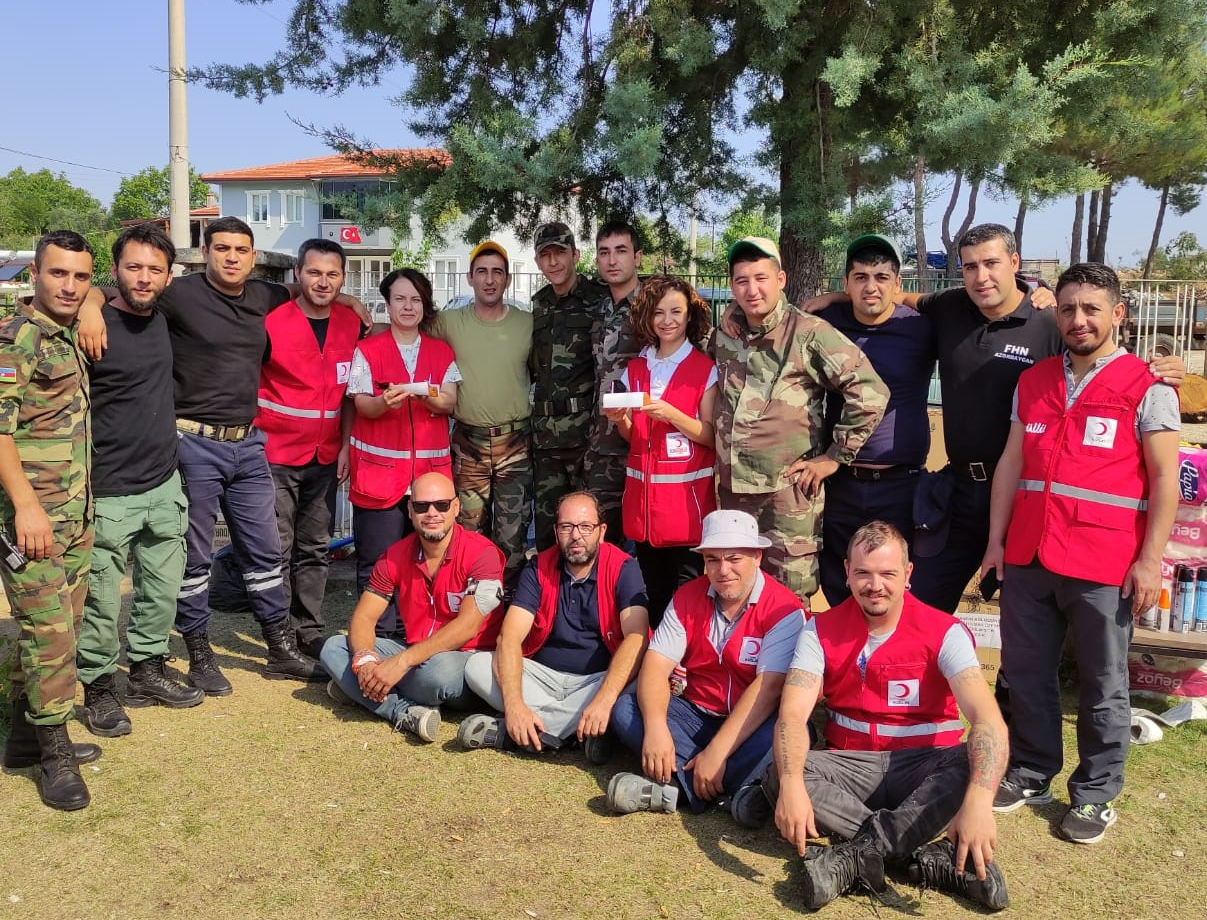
x=731 y=530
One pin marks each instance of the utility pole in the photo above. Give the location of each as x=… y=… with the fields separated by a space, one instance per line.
x=178 y=128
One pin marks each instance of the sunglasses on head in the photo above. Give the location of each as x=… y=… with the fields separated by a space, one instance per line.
x=442 y=505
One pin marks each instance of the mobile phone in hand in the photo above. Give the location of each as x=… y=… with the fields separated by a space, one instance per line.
x=989 y=585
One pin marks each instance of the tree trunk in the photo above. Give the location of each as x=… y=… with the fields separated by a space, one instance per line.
x=1019 y=219
x=952 y=242
x=1078 y=228
x=945 y=227
x=1152 y=248
x=924 y=281
x=803 y=263
x=1091 y=230
x=1098 y=253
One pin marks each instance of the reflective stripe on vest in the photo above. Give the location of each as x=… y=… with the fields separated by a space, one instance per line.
x=1089 y=495
x=896 y=731
x=661 y=478
x=399 y=454
x=297 y=413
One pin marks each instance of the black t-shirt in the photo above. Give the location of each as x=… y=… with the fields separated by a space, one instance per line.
x=979 y=366
x=133 y=418
x=217 y=344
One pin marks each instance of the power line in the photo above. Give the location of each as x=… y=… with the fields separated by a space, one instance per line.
x=38 y=156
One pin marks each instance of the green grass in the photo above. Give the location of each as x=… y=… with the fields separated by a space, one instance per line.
x=275 y=802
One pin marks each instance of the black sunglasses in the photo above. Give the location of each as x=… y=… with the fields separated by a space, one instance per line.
x=442 y=505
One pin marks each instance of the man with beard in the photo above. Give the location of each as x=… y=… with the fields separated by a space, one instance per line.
x=732 y=633
x=448 y=584
x=571 y=642
x=895 y=675
x=302 y=412
x=140 y=506
x=1083 y=499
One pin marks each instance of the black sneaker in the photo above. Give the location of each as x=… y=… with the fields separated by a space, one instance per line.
x=934 y=866
x=1087 y=823
x=597 y=749
x=750 y=806
x=1012 y=796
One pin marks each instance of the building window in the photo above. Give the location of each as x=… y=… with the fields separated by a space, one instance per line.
x=342 y=198
x=257 y=207
x=445 y=280
x=293 y=207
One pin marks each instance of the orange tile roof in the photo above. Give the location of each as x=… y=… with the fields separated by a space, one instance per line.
x=207 y=211
x=336 y=166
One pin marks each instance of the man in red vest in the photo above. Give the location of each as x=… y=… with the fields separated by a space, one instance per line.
x=1083 y=501
x=300 y=409
x=730 y=633
x=571 y=642
x=895 y=675
x=448 y=582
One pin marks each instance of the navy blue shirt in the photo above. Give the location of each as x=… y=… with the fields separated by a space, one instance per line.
x=574 y=645
x=902 y=352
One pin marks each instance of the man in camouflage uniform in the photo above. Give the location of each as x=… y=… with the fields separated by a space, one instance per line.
x=562 y=364
x=46 y=512
x=772 y=454
x=617 y=257
x=492 y=459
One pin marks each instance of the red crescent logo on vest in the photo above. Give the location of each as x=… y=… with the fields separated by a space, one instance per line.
x=1103 y=428
x=349 y=234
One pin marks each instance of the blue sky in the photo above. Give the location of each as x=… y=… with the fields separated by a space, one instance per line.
x=87 y=85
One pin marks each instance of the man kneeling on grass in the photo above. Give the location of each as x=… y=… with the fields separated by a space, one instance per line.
x=732 y=631
x=571 y=641
x=895 y=774
x=449 y=585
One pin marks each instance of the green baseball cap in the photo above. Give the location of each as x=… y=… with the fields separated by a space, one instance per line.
x=759 y=244
x=875 y=241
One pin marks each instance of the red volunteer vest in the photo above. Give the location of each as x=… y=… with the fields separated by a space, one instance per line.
x=716 y=684
x=901 y=700
x=669 y=483
x=424 y=613
x=301 y=388
x=549 y=574
x=388 y=452
x=1082 y=495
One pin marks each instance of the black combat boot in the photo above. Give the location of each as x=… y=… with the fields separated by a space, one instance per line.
x=830 y=871
x=934 y=866
x=60 y=784
x=203 y=670
x=285 y=662
x=103 y=713
x=22 y=750
x=149 y=685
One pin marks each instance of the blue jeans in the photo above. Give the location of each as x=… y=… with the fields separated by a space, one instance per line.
x=440 y=679
x=233 y=476
x=692 y=729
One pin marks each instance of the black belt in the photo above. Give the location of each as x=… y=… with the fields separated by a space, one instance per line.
x=561 y=406
x=977 y=472
x=495 y=431
x=869 y=474
x=213 y=432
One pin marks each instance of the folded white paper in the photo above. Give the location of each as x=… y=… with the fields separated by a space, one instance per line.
x=421 y=389
x=622 y=400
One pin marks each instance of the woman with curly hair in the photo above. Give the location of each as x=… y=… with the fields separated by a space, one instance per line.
x=669 y=486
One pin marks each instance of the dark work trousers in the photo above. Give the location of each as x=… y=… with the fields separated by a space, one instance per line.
x=851 y=503
x=305 y=497
x=665 y=570
x=374 y=530
x=1038 y=606
x=940 y=580
x=233 y=476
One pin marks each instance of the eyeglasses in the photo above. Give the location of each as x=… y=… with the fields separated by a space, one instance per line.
x=567 y=530
x=442 y=505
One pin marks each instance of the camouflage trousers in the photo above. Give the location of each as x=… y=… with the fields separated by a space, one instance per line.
x=605 y=479
x=555 y=472
x=493 y=475
x=47 y=601
x=792 y=523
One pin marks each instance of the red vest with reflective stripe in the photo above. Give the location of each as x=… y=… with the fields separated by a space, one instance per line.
x=301 y=388
x=666 y=498
x=1082 y=497
x=422 y=613
x=549 y=575
x=717 y=683
x=388 y=452
x=901 y=700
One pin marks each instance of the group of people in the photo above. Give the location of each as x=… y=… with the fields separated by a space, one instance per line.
x=622 y=420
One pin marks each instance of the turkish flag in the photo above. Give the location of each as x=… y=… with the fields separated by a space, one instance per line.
x=349 y=234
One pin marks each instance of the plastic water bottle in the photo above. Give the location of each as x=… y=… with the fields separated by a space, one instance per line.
x=1181 y=612
x=1200 y=602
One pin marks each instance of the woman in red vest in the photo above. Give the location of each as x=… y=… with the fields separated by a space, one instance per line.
x=669 y=486
x=404 y=385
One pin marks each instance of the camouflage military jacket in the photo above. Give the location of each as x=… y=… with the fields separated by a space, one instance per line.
x=772 y=402
x=615 y=346
x=562 y=364
x=44 y=407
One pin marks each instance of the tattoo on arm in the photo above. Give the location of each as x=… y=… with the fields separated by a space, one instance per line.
x=987 y=755
x=799 y=678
